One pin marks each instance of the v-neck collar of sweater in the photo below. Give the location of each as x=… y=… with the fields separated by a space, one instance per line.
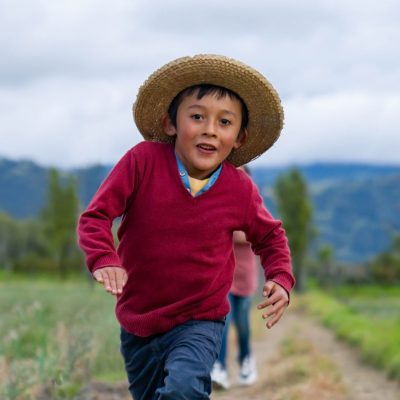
x=183 y=176
x=186 y=181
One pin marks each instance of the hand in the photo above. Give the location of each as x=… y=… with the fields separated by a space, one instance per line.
x=277 y=301
x=113 y=278
x=239 y=237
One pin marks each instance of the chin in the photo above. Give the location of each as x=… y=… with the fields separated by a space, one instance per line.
x=207 y=168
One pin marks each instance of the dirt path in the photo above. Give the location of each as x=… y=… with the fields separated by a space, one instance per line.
x=297 y=360
x=353 y=380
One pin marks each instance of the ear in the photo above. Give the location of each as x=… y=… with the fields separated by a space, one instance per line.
x=168 y=127
x=241 y=139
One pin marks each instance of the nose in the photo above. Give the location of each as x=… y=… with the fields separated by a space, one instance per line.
x=210 y=128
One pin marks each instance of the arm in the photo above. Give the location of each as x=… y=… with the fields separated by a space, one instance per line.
x=269 y=241
x=94 y=227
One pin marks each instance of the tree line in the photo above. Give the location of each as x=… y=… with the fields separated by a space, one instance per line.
x=296 y=211
x=47 y=244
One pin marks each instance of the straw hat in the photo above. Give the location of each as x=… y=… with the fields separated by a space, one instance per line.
x=262 y=101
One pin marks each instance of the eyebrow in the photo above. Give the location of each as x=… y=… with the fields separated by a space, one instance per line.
x=203 y=107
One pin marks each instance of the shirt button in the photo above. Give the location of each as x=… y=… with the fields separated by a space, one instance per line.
x=188 y=189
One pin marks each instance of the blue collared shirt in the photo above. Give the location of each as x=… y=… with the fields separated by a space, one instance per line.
x=185 y=177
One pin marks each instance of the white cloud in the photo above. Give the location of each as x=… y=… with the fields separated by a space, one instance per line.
x=352 y=127
x=68 y=123
x=71 y=69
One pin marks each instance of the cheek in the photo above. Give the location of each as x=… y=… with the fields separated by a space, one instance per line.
x=186 y=131
x=184 y=137
x=232 y=139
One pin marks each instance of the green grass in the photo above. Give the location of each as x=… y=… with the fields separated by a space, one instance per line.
x=366 y=317
x=55 y=337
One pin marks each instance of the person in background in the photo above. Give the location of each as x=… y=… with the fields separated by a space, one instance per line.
x=243 y=287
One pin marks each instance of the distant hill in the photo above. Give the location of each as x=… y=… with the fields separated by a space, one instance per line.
x=356 y=206
x=328 y=172
x=23 y=185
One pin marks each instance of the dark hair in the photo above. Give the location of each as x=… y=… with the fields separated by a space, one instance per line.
x=203 y=90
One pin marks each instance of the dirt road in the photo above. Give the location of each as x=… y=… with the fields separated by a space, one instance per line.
x=318 y=367
x=297 y=360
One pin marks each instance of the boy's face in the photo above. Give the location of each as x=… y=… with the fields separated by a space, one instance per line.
x=207 y=130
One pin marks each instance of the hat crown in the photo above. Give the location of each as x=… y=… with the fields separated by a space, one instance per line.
x=262 y=101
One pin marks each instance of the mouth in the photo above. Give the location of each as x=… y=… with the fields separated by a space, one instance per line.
x=206 y=148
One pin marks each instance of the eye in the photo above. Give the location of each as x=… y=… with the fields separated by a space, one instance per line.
x=196 y=117
x=225 y=122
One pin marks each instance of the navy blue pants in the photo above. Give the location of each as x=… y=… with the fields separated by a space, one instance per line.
x=174 y=365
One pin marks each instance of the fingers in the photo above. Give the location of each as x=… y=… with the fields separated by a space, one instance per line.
x=268 y=288
x=270 y=300
x=98 y=276
x=121 y=279
x=276 y=312
x=277 y=301
x=273 y=309
x=109 y=280
x=112 y=278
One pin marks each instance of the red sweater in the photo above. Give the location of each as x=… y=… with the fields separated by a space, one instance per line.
x=176 y=249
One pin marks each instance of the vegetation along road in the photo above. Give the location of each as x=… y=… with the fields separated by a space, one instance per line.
x=298 y=359
x=60 y=341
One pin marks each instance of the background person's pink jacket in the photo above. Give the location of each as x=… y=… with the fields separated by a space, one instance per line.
x=245 y=278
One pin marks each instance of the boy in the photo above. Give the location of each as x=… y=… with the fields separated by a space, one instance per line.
x=180 y=201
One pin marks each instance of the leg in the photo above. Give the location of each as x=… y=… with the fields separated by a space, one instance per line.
x=143 y=364
x=219 y=373
x=224 y=343
x=243 y=326
x=248 y=371
x=191 y=355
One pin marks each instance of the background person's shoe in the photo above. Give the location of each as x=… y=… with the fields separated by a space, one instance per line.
x=248 y=371
x=219 y=376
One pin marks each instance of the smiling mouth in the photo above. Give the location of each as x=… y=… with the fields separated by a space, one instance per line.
x=206 y=147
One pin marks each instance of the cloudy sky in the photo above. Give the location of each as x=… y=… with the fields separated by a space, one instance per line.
x=71 y=69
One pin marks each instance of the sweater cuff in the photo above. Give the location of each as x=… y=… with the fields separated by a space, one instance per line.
x=106 y=261
x=285 y=280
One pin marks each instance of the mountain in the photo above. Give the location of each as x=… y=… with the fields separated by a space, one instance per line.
x=23 y=184
x=357 y=216
x=356 y=206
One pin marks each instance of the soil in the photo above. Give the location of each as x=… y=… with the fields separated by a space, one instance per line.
x=350 y=378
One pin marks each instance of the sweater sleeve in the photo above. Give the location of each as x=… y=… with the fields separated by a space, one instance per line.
x=269 y=241
x=110 y=201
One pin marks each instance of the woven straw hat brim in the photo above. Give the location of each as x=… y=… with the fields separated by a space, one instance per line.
x=262 y=101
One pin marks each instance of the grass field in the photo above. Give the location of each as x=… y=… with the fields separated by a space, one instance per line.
x=55 y=337
x=367 y=317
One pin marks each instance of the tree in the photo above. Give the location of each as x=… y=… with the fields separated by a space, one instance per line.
x=9 y=241
x=386 y=265
x=21 y=244
x=59 y=220
x=325 y=262
x=296 y=212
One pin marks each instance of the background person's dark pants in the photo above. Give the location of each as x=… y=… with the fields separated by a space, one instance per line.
x=175 y=365
x=240 y=314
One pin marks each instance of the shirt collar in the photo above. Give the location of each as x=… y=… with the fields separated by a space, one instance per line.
x=185 y=176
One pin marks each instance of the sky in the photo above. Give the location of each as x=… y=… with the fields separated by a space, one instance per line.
x=71 y=69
